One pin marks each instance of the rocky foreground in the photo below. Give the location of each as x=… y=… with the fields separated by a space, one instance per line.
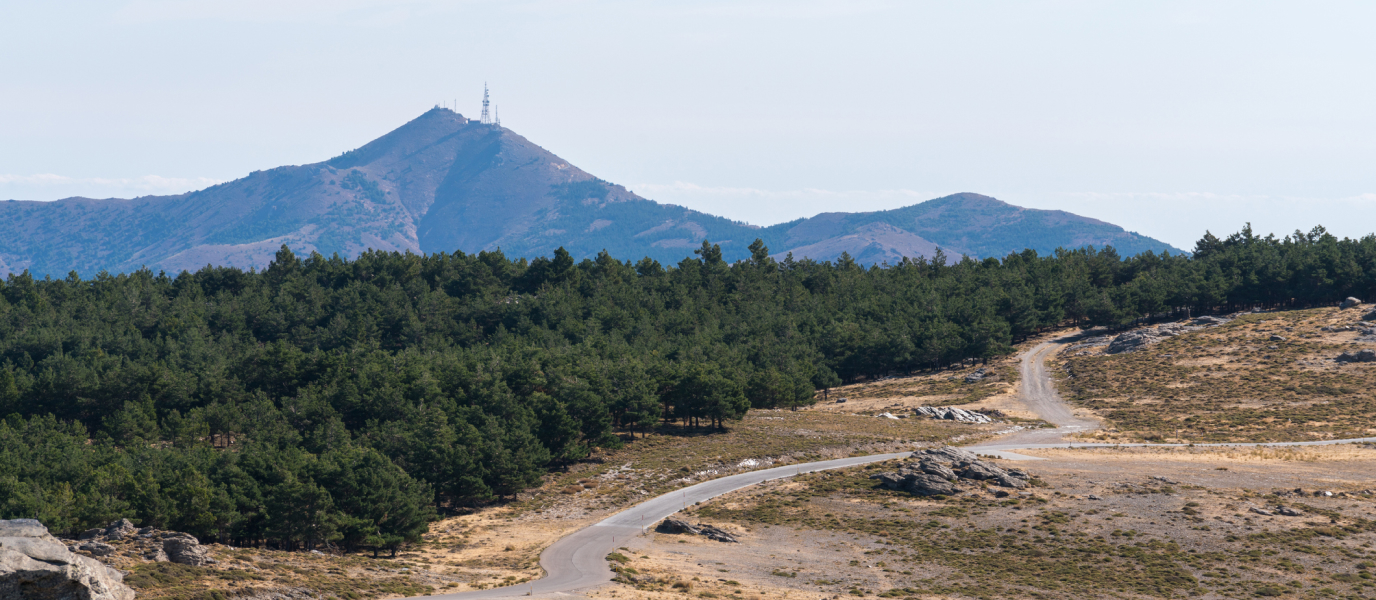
x=34 y=565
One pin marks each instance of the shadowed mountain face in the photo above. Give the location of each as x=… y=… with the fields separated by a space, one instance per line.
x=442 y=183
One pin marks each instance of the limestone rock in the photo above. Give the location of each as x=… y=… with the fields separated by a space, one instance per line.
x=36 y=566
x=183 y=548
x=1349 y=303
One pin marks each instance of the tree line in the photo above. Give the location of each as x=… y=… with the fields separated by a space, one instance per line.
x=325 y=400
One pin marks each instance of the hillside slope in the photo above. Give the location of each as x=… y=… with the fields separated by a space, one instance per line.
x=443 y=183
x=965 y=223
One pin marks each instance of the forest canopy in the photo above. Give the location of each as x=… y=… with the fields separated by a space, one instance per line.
x=343 y=401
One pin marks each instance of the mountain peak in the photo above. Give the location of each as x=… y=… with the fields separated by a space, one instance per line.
x=442 y=182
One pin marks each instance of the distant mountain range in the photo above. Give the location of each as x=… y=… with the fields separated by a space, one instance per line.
x=442 y=183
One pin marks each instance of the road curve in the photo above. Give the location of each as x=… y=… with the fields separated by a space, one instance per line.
x=578 y=560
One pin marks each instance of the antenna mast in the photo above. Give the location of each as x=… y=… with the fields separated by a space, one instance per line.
x=497 y=117
x=485 y=120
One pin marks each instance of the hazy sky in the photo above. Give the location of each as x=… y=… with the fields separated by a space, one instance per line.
x=1167 y=118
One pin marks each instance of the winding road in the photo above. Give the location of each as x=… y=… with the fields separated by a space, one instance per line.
x=578 y=560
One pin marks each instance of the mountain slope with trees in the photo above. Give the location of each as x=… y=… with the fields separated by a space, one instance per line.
x=331 y=400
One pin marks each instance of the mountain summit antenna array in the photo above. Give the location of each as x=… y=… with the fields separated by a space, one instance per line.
x=486 y=120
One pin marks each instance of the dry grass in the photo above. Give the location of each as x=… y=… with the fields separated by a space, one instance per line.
x=1143 y=539
x=1233 y=383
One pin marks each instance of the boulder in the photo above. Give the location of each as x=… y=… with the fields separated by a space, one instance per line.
x=183 y=548
x=976 y=377
x=1007 y=480
x=672 y=525
x=1366 y=355
x=932 y=467
x=917 y=483
x=120 y=529
x=35 y=565
x=980 y=470
x=1349 y=303
x=713 y=533
x=1289 y=512
x=1371 y=316
x=91 y=534
x=96 y=548
x=1261 y=511
x=1277 y=338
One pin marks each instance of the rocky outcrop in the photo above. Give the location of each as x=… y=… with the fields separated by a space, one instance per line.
x=976 y=376
x=932 y=467
x=672 y=525
x=183 y=548
x=946 y=454
x=941 y=471
x=1139 y=339
x=952 y=414
x=917 y=483
x=1349 y=303
x=36 y=566
x=1367 y=355
x=146 y=543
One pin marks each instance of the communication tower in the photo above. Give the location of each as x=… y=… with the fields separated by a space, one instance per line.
x=496 y=117
x=486 y=120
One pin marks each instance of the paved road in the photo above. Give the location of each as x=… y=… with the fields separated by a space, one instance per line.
x=578 y=561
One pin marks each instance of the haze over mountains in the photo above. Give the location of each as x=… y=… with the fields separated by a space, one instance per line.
x=442 y=183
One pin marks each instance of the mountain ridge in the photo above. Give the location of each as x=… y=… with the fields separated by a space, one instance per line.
x=445 y=183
